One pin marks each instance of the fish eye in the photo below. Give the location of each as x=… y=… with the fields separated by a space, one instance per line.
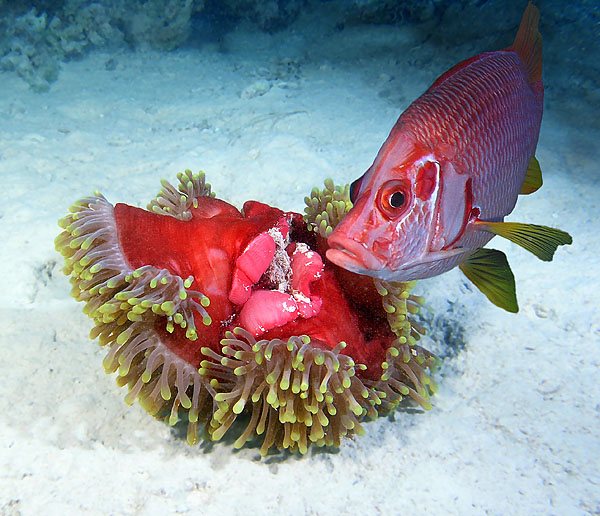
x=392 y=199
x=397 y=199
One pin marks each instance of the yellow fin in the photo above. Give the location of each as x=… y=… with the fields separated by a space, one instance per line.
x=489 y=271
x=539 y=240
x=533 y=178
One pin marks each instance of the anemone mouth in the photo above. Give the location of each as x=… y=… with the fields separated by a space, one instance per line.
x=296 y=391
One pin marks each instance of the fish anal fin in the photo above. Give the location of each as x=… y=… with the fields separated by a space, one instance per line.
x=489 y=271
x=528 y=43
x=533 y=178
x=539 y=240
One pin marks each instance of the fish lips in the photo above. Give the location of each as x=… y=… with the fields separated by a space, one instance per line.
x=353 y=256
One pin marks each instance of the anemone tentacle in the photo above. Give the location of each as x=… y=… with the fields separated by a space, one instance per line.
x=326 y=208
x=176 y=202
x=297 y=393
x=125 y=305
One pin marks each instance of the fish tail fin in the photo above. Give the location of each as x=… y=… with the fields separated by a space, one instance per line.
x=528 y=43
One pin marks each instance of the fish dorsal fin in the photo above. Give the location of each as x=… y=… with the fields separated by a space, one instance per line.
x=539 y=240
x=489 y=271
x=533 y=178
x=528 y=43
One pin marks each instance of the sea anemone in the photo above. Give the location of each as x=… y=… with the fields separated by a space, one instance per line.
x=209 y=313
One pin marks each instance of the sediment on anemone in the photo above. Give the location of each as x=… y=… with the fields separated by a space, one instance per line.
x=185 y=356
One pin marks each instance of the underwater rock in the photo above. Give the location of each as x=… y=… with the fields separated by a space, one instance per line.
x=161 y=25
x=269 y=15
x=36 y=37
x=392 y=11
x=256 y=89
x=27 y=50
x=35 y=42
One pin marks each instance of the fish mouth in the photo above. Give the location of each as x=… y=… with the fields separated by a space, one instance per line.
x=353 y=256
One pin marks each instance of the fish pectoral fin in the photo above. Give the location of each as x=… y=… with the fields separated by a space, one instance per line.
x=539 y=240
x=533 y=179
x=489 y=271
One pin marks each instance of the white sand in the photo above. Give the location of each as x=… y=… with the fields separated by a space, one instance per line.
x=514 y=428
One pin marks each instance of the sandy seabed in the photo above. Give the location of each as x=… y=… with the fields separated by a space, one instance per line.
x=514 y=428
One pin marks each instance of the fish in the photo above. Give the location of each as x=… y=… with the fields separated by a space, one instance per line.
x=450 y=171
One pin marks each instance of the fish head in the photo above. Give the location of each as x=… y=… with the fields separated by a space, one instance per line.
x=408 y=210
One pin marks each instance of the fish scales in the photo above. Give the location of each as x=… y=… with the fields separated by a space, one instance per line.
x=488 y=112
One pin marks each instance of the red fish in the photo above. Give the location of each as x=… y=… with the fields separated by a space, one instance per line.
x=450 y=171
